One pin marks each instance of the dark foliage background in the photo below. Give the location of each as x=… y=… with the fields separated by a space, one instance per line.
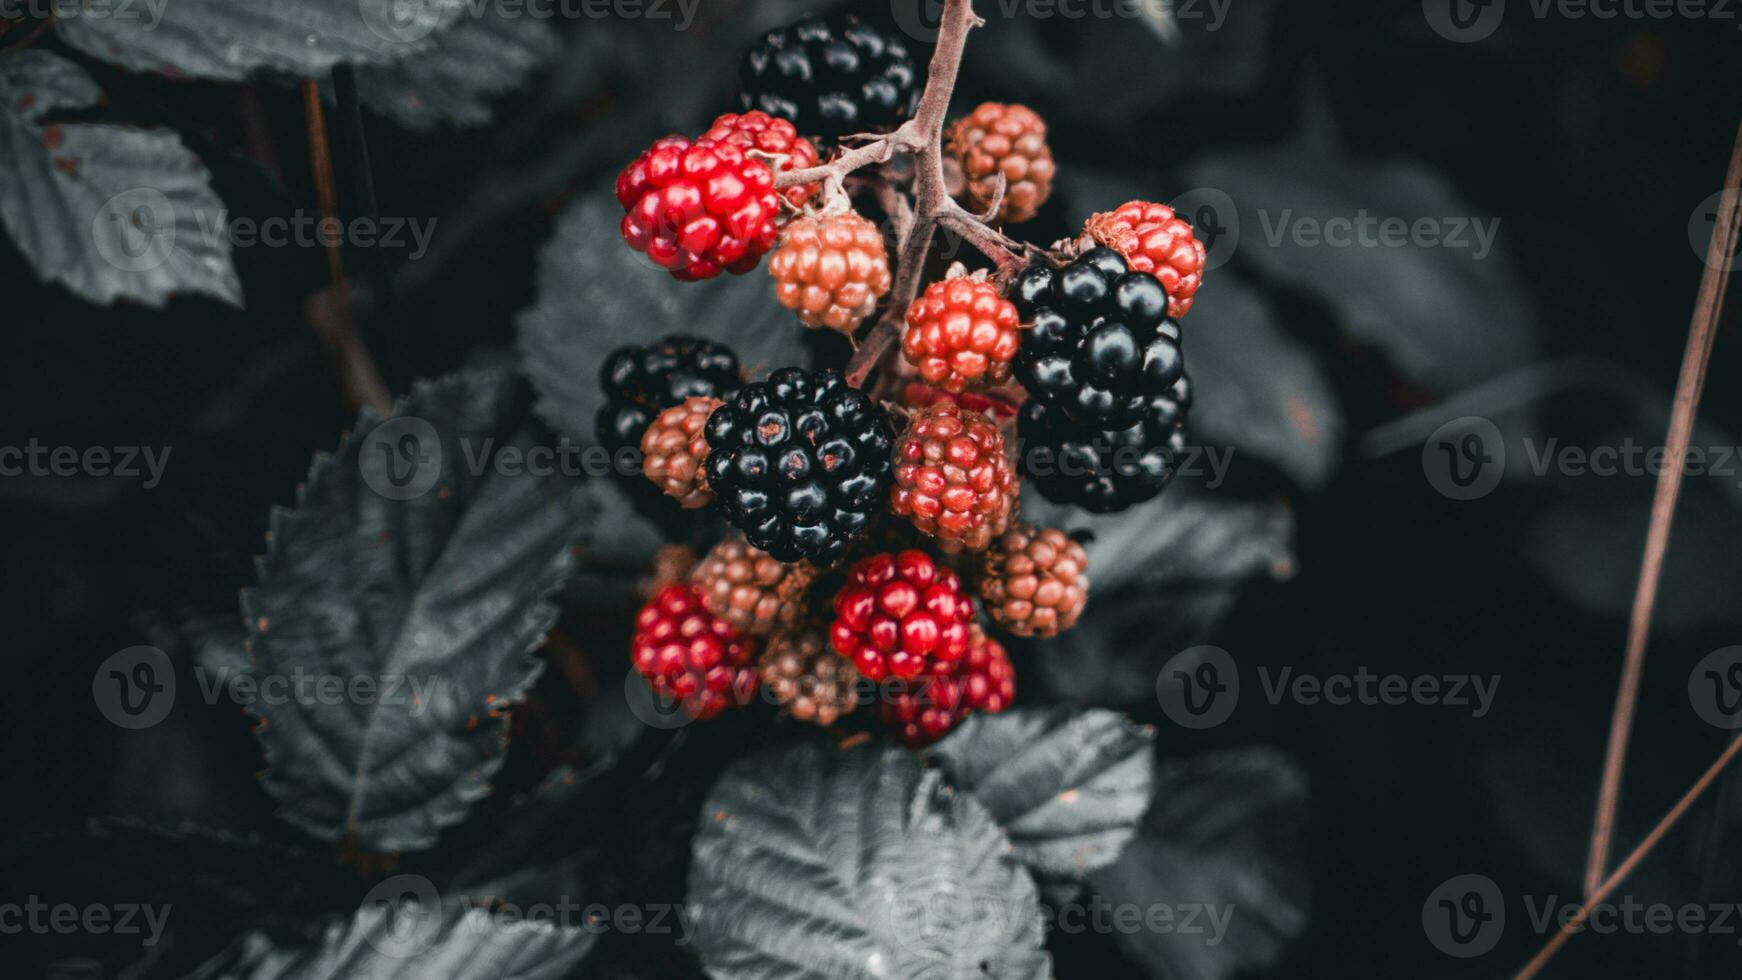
x=1591 y=140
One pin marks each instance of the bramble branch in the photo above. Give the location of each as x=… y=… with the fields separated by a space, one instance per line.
x=932 y=208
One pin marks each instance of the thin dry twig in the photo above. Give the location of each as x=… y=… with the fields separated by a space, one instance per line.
x=1702 y=332
x=1607 y=887
x=358 y=377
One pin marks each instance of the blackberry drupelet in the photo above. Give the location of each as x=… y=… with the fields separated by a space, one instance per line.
x=831 y=76
x=800 y=463
x=1099 y=347
x=641 y=382
x=1105 y=471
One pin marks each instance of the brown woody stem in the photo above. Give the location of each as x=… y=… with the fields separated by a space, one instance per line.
x=923 y=137
x=358 y=378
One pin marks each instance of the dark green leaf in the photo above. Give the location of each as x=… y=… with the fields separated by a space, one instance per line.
x=1067 y=786
x=441 y=593
x=1227 y=835
x=817 y=862
x=228 y=39
x=1444 y=305
x=110 y=211
x=471 y=62
x=408 y=942
x=595 y=294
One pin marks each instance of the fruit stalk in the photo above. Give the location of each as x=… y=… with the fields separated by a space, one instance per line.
x=922 y=136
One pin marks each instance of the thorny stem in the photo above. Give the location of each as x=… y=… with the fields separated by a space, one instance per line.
x=1702 y=333
x=922 y=136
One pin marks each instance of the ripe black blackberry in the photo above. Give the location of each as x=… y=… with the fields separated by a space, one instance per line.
x=831 y=76
x=641 y=382
x=1099 y=347
x=1105 y=471
x=800 y=463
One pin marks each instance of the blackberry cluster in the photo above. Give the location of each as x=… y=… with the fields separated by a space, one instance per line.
x=831 y=76
x=1100 y=347
x=641 y=382
x=1105 y=471
x=800 y=463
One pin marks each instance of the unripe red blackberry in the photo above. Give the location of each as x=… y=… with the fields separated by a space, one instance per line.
x=674 y=449
x=759 y=131
x=961 y=332
x=1034 y=581
x=812 y=682
x=952 y=478
x=691 y=656
x=1004 y=139
x=831 y=270
x=987 y=677
x=751 y=590
x=698 y=207
x=922 y=709
x=1155 y=240
x=897 y=614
